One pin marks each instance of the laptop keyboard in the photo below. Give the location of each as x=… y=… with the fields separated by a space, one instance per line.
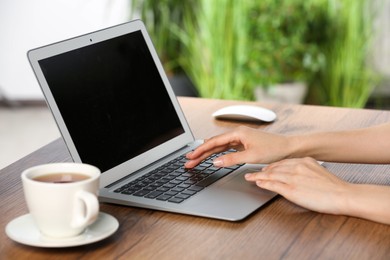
x=173 y=183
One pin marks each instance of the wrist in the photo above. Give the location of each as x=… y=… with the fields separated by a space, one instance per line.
x=368 y=202
x=346 y=200
x=309 y=145
x=295 y=147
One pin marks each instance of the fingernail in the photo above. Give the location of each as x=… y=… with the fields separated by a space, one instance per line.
x=186 y=164
x=247 y=176
x=218 y=163
x=189 y=154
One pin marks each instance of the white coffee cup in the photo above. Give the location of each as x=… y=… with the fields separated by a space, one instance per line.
x=62 y=207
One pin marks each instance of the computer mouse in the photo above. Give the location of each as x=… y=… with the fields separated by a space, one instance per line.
x=245 y=113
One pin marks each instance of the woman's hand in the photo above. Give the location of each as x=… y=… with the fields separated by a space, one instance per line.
x=254 y=146
x=306 y=183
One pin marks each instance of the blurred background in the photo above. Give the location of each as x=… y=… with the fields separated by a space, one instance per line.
x=321 y=52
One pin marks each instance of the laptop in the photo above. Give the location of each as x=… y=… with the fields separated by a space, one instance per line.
x=116 y=110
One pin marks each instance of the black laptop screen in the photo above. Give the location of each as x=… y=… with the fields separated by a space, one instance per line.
x=112 y=100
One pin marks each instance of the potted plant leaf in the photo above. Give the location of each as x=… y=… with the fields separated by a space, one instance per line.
x=159 y=16
x=215 y=48
x=284 y=52
x=231 y=46
x=347 y=79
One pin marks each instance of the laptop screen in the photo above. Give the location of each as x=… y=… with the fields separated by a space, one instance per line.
x=112 y=99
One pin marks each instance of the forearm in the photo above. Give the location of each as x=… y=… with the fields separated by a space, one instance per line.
x=368 y=145
x=370 y=202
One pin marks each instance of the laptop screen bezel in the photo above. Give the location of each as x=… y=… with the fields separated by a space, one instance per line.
x=140 y=161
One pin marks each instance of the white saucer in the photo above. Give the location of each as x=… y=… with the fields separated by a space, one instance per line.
x=23 y=230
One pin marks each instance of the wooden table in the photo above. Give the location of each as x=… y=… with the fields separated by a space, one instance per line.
x=279 y=230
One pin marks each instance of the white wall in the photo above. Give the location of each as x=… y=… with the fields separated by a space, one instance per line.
x=27 y=24
x=382 y=39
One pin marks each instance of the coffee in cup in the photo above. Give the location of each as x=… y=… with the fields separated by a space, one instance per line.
x=62 y=197
x=61 y=177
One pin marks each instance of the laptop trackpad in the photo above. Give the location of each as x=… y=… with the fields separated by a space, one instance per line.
x=231 y=198
x=239 y=184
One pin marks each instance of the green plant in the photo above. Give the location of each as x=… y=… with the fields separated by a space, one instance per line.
x=233 y=46
x=284 y=46
x=215 y=51
x=228 y=47
x=159 y=16
x=347 y=79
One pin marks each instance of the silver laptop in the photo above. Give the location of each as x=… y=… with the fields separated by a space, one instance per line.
x=116 y=109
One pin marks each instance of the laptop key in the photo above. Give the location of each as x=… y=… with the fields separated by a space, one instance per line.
x=182 y=196
x=181 y=178
x=188 y=192
x=163 y=197
x=195 y=188
x=190 y=182
x=149 y=188
x=174 y=183
x=119 y=190
x=214 y=177
x=183 y=185
x=153 y=194
x=141 y=193
x=171 y=193
x=169 y=185
x=163 y=189
x=128 y=192
x=177 y=189
x=175 y=200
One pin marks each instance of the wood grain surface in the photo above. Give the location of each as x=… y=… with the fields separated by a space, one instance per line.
x=280 y=230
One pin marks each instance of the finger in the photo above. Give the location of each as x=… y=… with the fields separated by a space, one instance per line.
x=225 y=160
x=221 y=161
x=193 y=161
x=221 y=142
x=205 y=153
x=275 y=186
x=231 y=159
x=280 y=174
x=213 y=145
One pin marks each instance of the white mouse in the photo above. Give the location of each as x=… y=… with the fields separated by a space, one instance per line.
x=246 y=113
